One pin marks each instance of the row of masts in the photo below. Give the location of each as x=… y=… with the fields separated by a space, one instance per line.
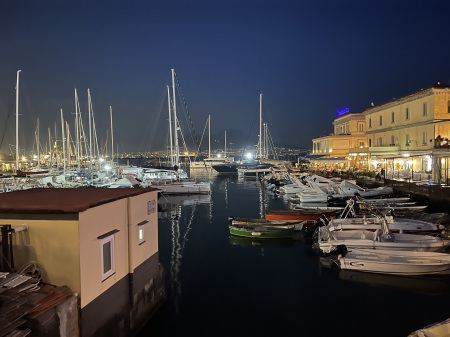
x=65 y=135
x=174 y=129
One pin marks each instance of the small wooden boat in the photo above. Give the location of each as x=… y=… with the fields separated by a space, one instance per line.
x=299 y=214
x=394 y=262
x=262 y=232
x=298 y=224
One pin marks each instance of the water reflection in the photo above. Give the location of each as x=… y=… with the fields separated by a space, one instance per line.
x=427 y=285
x=252 y=242
x=180 y=212
x=169 y=205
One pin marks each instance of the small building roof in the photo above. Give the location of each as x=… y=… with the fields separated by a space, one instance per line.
x=63 y=200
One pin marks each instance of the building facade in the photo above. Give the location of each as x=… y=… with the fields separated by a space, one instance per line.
x=406 y=138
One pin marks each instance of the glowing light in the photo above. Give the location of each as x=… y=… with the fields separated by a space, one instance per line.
x=248 y=155
x=107 y=167
x=405 y=155
x=340 y=112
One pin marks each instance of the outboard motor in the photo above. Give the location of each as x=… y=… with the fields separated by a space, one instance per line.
x=309 y=233
x=341 y=249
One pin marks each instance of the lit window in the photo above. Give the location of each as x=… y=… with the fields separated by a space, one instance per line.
x=107 y=253
x=141 y=232
x=108 y=263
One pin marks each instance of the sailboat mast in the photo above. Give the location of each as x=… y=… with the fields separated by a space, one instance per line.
x=260 y=126
x=77 y=129
x=266 y=147
x=170 y=128
x=37 y=145
x=112 y=134
x=175 y=121
x=209 y=136
x=63 y=140
x=90 y=128
x=17 y=120
x=225 y=143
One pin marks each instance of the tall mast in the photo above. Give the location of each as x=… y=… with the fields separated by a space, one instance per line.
x=260 y=126
x=38 y=145
x=51 y=147
x=225 y=143
x=77 y=129
x=266 y=145
x=112 y=134
x=175 y=120
x=63 y=141
x=17 y=120
x=90 y=128
x=170 y=128
x=209 y=136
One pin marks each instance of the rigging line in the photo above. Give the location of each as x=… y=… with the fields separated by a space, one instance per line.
x=6 y=123
x=182 y=137
x=149 y=135
x=201 y=139
x=184 y=105
x=271 y=143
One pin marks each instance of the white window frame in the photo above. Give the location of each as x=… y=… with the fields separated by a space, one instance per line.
x=424 y=138
x=141 y=232
x=107 y=273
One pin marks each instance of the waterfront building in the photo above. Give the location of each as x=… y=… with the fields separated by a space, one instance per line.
x=101 y=243
x=406 y=138
x=349 y=133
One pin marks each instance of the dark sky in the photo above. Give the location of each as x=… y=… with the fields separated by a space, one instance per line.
x=308 y=58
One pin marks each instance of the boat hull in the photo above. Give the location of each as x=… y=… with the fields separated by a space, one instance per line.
x=261 y=232
x=298 y=214
x=298 y=224
x=396 y=262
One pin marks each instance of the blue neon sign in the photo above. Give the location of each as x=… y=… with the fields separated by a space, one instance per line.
x=340 y=112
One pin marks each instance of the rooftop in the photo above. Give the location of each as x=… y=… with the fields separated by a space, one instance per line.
x=63 y=200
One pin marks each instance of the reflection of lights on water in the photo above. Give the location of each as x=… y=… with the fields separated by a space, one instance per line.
x=178 y=245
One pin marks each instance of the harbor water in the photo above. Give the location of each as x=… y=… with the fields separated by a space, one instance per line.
x=217 y=285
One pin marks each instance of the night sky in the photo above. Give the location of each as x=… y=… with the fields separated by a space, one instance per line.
x=307 y=58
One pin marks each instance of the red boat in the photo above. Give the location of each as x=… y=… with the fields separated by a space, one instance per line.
x=299 y=214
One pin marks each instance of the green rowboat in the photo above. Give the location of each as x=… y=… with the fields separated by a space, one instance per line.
x=262 y=232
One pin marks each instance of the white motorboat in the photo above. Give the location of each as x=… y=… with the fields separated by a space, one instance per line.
x=394 y=262
x=396 y=225
x=383 y=238
x=342 y=190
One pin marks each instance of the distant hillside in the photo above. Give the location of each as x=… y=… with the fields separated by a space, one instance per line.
x=237 y=139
